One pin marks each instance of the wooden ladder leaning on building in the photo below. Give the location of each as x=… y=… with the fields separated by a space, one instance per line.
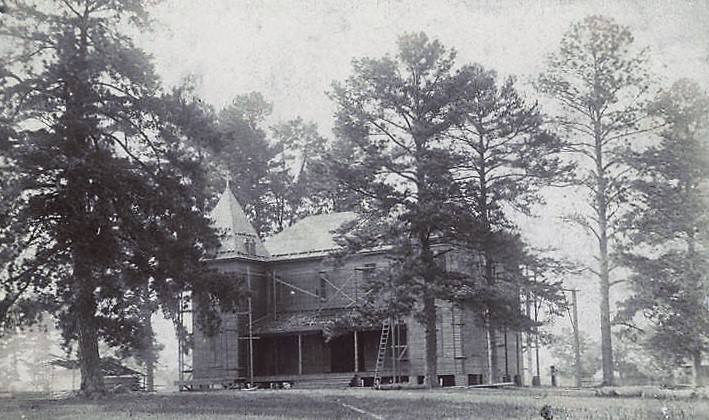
x=381 y=354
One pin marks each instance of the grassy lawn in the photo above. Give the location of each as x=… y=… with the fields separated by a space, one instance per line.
x=358 y=404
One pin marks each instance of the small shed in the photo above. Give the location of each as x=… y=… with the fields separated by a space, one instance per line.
x=115 y=373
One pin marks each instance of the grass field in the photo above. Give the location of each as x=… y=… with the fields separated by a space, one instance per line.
x=358 y=404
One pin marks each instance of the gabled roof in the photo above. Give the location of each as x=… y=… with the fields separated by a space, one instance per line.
x=109 y=366
x=238 y=236
x=311 y=236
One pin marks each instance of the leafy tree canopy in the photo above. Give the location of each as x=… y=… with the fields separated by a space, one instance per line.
x=601 y=84
x=669 y=229
x=110 y=175
x=430 y=148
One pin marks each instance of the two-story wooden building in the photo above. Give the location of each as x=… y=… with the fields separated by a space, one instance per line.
x=296 y=294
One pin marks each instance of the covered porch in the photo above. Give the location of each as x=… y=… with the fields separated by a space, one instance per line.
x=308 y=353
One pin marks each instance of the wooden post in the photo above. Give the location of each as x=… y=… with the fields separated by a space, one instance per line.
x=237 y=351
x=507 y=358
x=577 y=341
x=180 y=346
x=536 y=339
x=251 y=329
x=528 y=305
x=518 y=359
x=393 y=350
x=356 y=352
x=455 y=352
x=273 y=275
x=488 y=340
x=300 y=354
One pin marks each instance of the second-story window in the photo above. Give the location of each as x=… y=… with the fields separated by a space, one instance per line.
x=368 y=271
x=322 y=289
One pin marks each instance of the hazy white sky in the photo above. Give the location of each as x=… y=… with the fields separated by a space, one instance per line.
x=292 y=51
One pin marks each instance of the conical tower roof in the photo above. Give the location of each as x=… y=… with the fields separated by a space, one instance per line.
x=238 y=236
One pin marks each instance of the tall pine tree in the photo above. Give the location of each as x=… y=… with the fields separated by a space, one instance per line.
x=108 y=177
x=601 y=84
x=669 y=247
x=396 y=111
x=294 y=190
x=245 y=153
x=409 y=126
x=507 y=158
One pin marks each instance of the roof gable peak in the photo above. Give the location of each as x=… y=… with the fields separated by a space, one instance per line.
x=237 y=234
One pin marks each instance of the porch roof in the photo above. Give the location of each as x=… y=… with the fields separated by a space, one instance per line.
x=308 y=321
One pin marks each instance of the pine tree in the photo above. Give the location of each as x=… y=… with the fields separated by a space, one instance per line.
x=669 y=241
x=245 y=152
x=111 y=181
x=507 y=158
x=293 y=188
x=396 y=112
x=410 y=127
x=602 y=85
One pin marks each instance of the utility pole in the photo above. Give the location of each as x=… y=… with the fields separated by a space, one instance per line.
x=181 y=345
x=577 y=341
x=528 y=306
x=537 y=380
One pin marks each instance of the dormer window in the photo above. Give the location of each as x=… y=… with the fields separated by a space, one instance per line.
x=250 y=245
x=322 y=289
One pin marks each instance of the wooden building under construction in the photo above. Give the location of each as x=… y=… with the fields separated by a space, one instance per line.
x=279 y=337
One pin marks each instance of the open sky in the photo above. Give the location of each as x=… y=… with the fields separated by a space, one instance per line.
x=292 y=50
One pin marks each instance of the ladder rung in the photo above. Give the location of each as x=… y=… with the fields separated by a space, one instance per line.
x=381 y=354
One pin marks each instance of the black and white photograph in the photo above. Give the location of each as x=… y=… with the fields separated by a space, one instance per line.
x=354 y=209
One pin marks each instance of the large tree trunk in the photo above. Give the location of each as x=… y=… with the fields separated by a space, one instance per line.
x=429 y=309
x=89 y=360
x=491 y=328
x=604 y=270
x=491 y=333
x=606 y=338
x=148 y=353
x=150 y=373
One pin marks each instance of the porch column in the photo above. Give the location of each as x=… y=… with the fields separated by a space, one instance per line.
x=251 y=327
x=300 y=354
x=356 y=352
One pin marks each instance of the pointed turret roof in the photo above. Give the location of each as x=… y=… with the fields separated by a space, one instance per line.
x=238 y=236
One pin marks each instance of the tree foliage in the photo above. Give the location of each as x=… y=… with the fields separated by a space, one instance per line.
x=410 y=126
x=111 y=182
x=506 y=157
x=245 y=152
x=562 y=350
x=273 y=173
x=670 y=230
x=601 y=84
x=294 y=187
x=396 y=112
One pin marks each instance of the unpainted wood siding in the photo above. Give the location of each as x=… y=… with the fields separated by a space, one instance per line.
x=313 y=284
x=224 y=354
x=461 y=346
